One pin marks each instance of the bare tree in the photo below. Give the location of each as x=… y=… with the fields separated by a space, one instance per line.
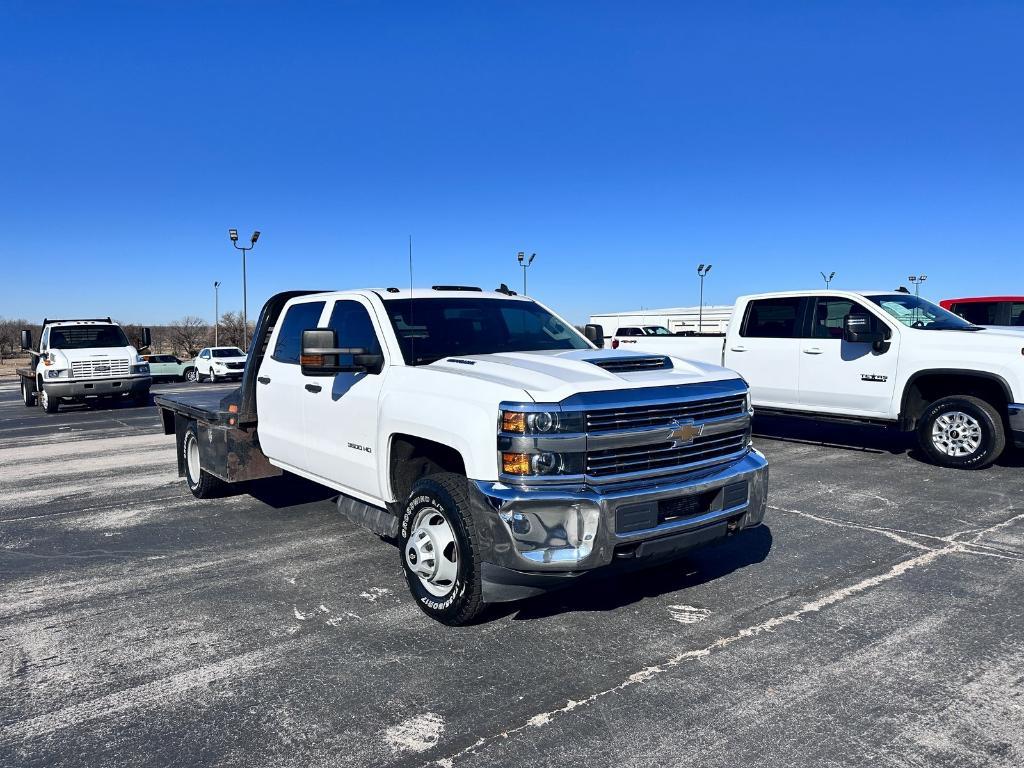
x=231 y=329
x=188 y=335
x=10 y=336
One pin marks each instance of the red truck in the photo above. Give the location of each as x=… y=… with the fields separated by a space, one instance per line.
x=988 y=310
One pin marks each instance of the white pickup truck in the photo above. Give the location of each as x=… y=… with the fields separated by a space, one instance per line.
x=82 y=359
x=874 y=356
x=505 y=452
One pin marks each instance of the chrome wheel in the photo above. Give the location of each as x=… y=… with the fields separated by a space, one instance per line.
x=956 y=433
x=192 y=457
x=432 y=553
x=192 y=375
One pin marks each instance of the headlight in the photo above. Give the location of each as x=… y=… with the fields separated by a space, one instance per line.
x=541 y=422
x=58 y=374
x=540 y=441
x=541 y=463
x=144 y=368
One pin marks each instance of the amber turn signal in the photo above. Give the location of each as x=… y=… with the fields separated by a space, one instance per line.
x=515 y=463
x=513 y=421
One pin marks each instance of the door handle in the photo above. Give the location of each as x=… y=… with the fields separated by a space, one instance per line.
x=313 y=388
x=737 y=349
x=263 y=379
x=812 y=351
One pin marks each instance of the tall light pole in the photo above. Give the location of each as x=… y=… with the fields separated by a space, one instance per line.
x=524 y=262
x=827 y=278
x=702 y=270
x=233 y=234
x=917 y=280
x=216 y=313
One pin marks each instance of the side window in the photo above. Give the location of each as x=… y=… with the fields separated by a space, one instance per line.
x=829 y=313
x=298 y=318
x=773 y=318
x=351 y=321
x=1017 y=313
x=977 y=312
x=205 y=354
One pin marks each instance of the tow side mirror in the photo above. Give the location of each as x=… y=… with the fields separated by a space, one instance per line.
x=147 y=338
x=594 y=334
x=26 y=339
x=857 y=329
x=321 y=355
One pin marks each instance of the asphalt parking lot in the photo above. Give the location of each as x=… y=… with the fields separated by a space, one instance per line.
x=875 y=620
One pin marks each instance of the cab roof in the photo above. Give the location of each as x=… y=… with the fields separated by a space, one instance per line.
x=437 y=292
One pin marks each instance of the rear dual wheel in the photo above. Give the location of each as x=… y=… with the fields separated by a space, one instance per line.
x=27 y=395
x=202 y=484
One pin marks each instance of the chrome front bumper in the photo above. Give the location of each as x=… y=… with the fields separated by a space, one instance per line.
x=562 y=532
x=1015 y=415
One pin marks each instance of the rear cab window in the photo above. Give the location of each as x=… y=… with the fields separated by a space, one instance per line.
x=776 y=318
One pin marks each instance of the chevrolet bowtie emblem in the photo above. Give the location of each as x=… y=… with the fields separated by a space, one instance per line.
x=684 y=433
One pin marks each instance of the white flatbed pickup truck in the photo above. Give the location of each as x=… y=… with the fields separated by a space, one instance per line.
x=82 y=359
x=875 y=356
x=505 y=452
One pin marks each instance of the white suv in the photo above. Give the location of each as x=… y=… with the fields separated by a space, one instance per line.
x=220 y=363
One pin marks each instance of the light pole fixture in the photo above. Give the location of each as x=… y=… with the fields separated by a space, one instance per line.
x=216 y=313
x=827 y=278
x=233 y=234
x=524 y=262
x=917 y=280
x=702 y=271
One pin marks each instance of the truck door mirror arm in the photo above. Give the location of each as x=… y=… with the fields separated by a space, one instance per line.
x=321 y=355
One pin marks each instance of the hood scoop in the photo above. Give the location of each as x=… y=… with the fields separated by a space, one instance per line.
x=632 y=364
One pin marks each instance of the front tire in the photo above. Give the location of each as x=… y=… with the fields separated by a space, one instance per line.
x=28 y=397
x=202 y=484
x=213 y=377
x=191 y=375
x=439 y=550
x=962 y=432
x=47 y=402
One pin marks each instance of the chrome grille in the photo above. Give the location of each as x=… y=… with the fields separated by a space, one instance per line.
x=234 y=366
x=665 y=455
x=627 y=363
x=616 y=419
x=100 y=368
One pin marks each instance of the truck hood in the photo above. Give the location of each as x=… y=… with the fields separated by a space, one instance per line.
x=553 y=376
x=96 y=353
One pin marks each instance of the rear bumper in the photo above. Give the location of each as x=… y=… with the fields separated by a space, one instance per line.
x=1015 y=415
x=536 y=539
x=135 y=385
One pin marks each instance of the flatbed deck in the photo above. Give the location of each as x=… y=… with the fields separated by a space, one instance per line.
x=211 y=407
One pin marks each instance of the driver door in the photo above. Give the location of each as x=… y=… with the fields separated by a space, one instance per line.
x=838 y=376
x=341 y=411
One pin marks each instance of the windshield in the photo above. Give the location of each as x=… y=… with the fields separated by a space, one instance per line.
x=656 y=330
x=916 y=312
x=431 y=329
x=87 y=337
x=229 y=352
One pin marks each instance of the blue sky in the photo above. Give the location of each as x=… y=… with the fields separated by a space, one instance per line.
x=623 y=142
